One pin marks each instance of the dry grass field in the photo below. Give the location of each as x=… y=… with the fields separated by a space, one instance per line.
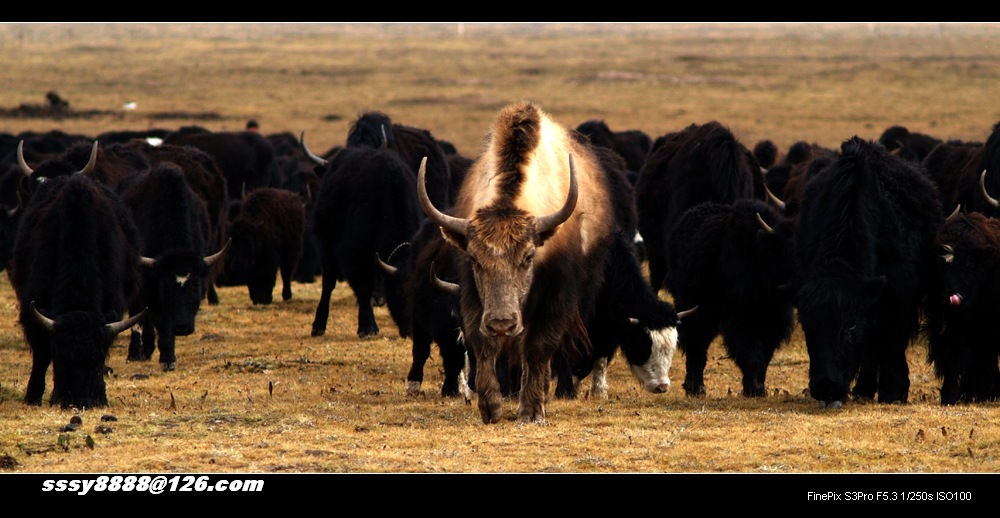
x=254 y=393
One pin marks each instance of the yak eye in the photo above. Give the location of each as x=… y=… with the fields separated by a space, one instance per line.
x=526 y=262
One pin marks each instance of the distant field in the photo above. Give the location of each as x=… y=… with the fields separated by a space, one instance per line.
x=253 y=392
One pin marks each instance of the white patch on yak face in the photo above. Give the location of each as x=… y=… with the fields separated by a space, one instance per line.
x=182 y=279
x=654 y=375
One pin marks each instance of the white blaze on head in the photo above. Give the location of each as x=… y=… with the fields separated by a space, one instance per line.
x=654 y=375
x=182 y=279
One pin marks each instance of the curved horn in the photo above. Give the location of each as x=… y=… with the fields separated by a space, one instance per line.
x=243 y=191
x=147 y=261
x=682 y=314
x=47 y=323
x=767 y=228
x=20 y=204
x=20 y=160
x=445 y=286
x=955 y=212
x=450 y=223
x=551 y=221
x=89 y=168
x=385 y=140
x=982 y=185
x=121 y=325
x=774 y=199
x=305 y=149
x=386 y=267
x=211 y=259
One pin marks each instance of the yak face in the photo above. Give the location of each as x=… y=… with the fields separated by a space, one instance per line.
x=500 y=245
x=652 y=369
x=80 y=346
x=500 y=241
x=967 y=253
x=80 y=342
x=835 y=315
x=177 y=279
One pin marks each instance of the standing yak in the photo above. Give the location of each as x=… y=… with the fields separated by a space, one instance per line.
x=864 y=238
x=75 y=271
x=366 y=206
x=534 y=222
x=176 y=238
x=731 y=261
x=964 y=340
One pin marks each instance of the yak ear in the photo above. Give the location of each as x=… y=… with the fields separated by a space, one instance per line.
x=455 y=239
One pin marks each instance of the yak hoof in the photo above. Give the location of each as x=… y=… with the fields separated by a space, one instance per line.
x=412 y=388
x=830 y=405
x=318 y=332
x=168 y=366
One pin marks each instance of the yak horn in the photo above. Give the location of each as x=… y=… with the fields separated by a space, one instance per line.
x=683 y=314
x=764 y=224
x=982 y=185
x=445 y=286
x=955 y=212
x=551 y=221
x=89 y=168
x=305 y=149
x=210 y=260
x=121 y=325
x=449 y=223
x=46 y=322
x=386 y=267
x=20 y=160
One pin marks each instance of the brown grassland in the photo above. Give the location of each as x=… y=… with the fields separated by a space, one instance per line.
x=254 y=393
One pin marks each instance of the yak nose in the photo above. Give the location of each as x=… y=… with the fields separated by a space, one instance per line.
x=183 y=329
x=501 y=326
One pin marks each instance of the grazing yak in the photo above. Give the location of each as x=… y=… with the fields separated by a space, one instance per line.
x=697 y=164
x=964 y=340
x=366 y=205
x=534 y=221
x=75 y=272
x=864 y=240
x=267 y=236
x=627 y=314
x=729 y=261
x=176 y=240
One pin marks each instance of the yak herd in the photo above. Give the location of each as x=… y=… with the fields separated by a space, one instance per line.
x=532 y=264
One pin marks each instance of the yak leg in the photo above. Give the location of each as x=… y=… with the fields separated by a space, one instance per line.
x=41 y=357
x=168 y=358
x=329 y=276
x=894 y=372
x=487 y=385
x=536 y=372
x=453 y=358
x=287 y=271
x=752 y=355
x=694 y=338
x=420 y=352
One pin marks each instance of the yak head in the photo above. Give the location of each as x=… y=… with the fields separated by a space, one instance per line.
x=175 y=283
x=835 y=313
x=80 y=342
x=967 y=250
x=500 y=242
